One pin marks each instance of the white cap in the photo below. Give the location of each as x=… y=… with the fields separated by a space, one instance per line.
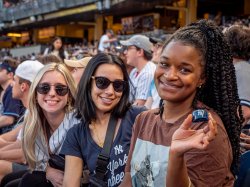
x=28 y=69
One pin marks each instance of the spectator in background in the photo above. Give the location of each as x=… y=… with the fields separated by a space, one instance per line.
x=57 y=49
x=11 y=154
x=153 y=98
x=138 y=54
x=106 y=40
x=239 y=39
x=119 y=51
x=45 y=59
x=12 y=109
x=77 y=67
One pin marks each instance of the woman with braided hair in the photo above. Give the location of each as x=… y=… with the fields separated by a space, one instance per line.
x=169 y=149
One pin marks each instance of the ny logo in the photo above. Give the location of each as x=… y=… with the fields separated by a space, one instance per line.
x=118 y=149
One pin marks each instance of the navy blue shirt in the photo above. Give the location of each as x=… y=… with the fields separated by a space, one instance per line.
x=79 y=143
x=11 y=107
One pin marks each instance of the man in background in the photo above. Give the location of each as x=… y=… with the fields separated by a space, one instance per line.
x=12 y=108
x=105 y=40
x=77 y=67
x=138 y=54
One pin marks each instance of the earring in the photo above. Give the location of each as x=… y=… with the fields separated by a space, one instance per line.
x=200 y=86
x=68 y=105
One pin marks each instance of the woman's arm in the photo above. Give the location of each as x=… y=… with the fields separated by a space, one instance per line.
x=177 y=171
x=127 y=182
x=55 y=176
x=73 y=171
x=183 y=140
x=9 y=137
x=13 y=153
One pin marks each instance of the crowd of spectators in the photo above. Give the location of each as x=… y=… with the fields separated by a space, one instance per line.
x=171 y=74
x=11 y=3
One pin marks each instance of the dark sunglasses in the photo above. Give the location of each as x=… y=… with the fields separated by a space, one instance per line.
x=103 y=83
x=60 y=89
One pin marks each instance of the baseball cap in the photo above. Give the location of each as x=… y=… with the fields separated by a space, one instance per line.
x=139 y=41
x=8 y=64
x=28 y=69
x=78 y=63
x=5 y=65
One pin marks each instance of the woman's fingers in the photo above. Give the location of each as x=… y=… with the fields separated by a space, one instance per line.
x=186 y=123
x=212 y=126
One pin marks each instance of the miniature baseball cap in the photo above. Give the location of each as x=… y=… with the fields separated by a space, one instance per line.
x=82 y=63
x=28 y=69
x=139 y=41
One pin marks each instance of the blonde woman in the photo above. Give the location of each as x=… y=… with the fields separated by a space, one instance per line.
x=52 y=96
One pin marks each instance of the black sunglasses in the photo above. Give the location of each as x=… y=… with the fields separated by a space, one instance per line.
x=60 y=89
x=103 y=83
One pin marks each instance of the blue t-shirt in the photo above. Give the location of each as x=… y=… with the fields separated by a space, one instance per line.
x=11 y=107
x=79 y=143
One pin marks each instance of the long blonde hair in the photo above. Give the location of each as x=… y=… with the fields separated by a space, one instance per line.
x=34 y=122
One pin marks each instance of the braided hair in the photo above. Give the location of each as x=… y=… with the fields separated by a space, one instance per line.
x=220 y=89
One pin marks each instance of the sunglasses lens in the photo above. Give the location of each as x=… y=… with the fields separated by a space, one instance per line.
x=43 y=88
x=102 y=82
x=61 y=90
x=118 y=86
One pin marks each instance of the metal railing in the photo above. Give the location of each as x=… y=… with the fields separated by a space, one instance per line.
x=38 y=7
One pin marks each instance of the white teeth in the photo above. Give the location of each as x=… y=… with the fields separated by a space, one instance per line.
x=51 y=102
x=106 y=99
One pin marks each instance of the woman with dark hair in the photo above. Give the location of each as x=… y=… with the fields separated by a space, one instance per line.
x=103 y=92
x=56 y=49
x=168 y=148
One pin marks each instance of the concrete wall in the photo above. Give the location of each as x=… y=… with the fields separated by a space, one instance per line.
x=18 y=52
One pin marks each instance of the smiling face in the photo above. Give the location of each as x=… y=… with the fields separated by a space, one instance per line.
x=51 y=103
x=106 y=99
x=179 y=73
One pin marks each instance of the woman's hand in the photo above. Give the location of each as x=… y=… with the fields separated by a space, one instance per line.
x=185 y=138
x=55 y=176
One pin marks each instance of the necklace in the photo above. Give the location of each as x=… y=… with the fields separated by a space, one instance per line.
x=100 y=143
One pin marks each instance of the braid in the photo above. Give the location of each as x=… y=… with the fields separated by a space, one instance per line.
x=220 y=89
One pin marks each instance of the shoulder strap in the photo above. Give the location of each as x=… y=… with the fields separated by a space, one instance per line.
x=103 y=158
